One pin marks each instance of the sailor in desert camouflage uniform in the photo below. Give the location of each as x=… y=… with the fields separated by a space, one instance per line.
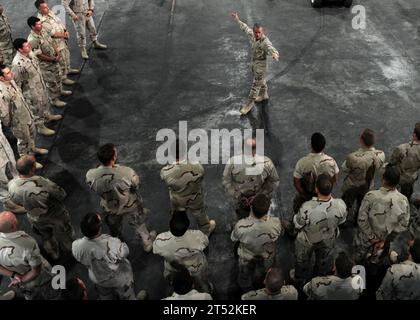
x=184 y=180
x=118 y=186
x=414 y=227
x=382 y=212
x=360 y=168
x=246 y=176
x=257 y=236
x=6 y=46
x=183 y=285
x=407 y=158
x=28 y=76
x=43 y=201
x=317 y=222
x=58 y=32
x=21 y=260
x=181 y=247
x=275 y=289
x=49 y=56
x=261 y=47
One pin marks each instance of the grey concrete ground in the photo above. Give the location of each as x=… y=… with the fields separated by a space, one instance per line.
x=193 y=65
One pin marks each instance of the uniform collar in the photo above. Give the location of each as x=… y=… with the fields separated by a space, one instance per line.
x=12 y=235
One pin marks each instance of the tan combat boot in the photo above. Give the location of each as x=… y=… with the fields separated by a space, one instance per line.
x=148 y=244
x=58 y=103
x=211 y=227
x=248 y=106
x=98 y=45
x=142 y=295
x=84 y=53
x=68 y=82
x=9 y=295
x=73 y=71
x=38 y=166
x=43 y=130
x=40 y=151
x=262 y=96
x=66 y=93
x=54 y=117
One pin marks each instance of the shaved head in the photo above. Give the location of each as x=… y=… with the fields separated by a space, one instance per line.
x=274 y=280
x=8 y=222
x=26 y=165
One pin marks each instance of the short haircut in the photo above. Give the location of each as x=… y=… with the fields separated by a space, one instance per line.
x=32 y=21
x=182 y=281
x=324 y=184
x=318 y=142
x=179 y=223
x=2 y=67
x=368 y=137
x=256 y=26
x=415 y=251
x=38 y=3
x=260 y=205
x=25 y=164
x=391 y=175
x=417 y=130
x=73 y=291
x=18 y=43
x=343 y=265
x=274 y=280
x=106 y=153
x=90 y=225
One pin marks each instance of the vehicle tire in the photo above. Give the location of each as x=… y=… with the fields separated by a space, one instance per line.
x=316 y=3
x=347 y=3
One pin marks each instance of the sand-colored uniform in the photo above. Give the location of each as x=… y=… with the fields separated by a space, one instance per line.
x=192 y=295
x=286 y=293
x=105 y=258
x=6 y=43
x=51 y=71
x=307 y=169
x=257 y=247
x=401 y=282
x=187 y=251
x=359 y=169
x=16 y=114
x=19 y=252
x=382 y=212
x=28 y=75
x=331 y=288
x=79 y=8
x=317 y=223
x=7 y=166
x=43 y=201
x=184 y=180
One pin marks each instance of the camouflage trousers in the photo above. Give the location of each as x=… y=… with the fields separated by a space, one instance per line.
x=304 y=270
x=259 y=85
x=25 y=135
x=55 y=229
x=253 y=272
x=197 y=210
x=136 y=219
x=7 y=173
x=39 y=104
x=353 y=198
x=84 y=23
x=199 y=276
x=64 y=62
x=51 y=73
x=125 y=292
x=7 y=54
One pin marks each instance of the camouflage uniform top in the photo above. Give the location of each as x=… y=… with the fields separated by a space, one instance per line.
x=20 y=253
x=414 y=227
x=28 y=75
x=192 y=295
x=331 y=288
x=286 y=293
x=248 y=176
x=6 y=154
x=186 y=250
x=383 y=211
x=315 y=164
x=105 y=257
x=257 y=237
x=259 y=48
x=401 y=282
x=407 y=158
x=52 y=24
x=78 y=6
x=14 y=110
x=319 y=220
x=6 y=42
x=361 y=166
x=117 y=186
x=38 y=195
x=184 y=181
x=43 y=42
